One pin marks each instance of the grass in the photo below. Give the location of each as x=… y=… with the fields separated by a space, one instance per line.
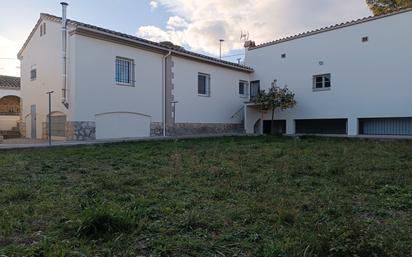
x=252 y=196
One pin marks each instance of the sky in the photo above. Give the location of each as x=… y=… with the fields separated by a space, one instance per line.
x=196 y=25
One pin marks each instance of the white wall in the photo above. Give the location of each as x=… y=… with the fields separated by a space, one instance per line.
x=223 y=102
x=8 y=122
x=9 y=92
x=370 y=79
x=95 y=87
x=45 y=53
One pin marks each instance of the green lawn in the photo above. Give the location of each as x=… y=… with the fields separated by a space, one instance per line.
x=250 y=196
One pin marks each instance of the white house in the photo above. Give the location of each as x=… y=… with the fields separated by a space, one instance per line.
x=9 y=105
x=353 y=78
x=114 y=85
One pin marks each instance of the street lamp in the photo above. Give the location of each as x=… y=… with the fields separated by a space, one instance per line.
x=221 y=41
x=50 y=107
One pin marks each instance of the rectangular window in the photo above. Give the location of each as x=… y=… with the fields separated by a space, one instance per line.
x=203 y=84
x=322 y=82
x=33 y=72
x=254 y=88
x=42 y=29
x=124 y=71
x=243 y=88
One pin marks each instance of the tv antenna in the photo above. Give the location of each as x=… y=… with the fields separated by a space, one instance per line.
x=244 y=35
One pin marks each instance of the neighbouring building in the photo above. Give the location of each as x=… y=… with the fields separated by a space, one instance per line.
x=353 y=78
x=350 y=79
x=9 y=106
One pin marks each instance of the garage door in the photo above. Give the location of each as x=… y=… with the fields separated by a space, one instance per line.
x=122 y=125
x=386 y=126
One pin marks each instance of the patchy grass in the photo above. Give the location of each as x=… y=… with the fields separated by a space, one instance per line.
x=263 y=196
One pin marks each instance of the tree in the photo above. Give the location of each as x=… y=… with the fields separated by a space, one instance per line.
x=276 y=98
x=379 y=7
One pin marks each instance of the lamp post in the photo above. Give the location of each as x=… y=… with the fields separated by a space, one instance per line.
x=50 y=107
x=221 y=41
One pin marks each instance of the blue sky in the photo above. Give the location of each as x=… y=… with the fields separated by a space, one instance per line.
x=195 y=24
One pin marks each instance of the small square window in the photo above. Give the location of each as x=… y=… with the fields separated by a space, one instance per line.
x=33 y=72
x=124 y=71
x=243 y=88
x=365 y=39
x=321 y=82
x=283 y=56
x=203 y=84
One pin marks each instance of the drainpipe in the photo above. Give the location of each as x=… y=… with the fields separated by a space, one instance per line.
x=164 y=84
x=64 y=54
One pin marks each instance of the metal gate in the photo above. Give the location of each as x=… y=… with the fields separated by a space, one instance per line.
x=58 y=126
x=386 y=126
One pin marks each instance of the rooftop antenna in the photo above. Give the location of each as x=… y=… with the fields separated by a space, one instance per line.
x=244 y=35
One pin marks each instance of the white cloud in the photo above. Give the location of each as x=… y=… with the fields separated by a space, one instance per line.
x=153 y=5
x=176 y=22
x=8 y=57
x=199 y=24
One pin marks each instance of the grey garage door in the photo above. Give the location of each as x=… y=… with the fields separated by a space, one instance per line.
x=386 y=126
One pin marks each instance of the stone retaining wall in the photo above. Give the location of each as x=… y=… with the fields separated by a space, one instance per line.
x=80 y=130
x=181 y=129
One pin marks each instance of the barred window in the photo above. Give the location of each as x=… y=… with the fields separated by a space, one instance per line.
x=203 y=84
x=124 y=71
x=243 y=88
x=33 y=72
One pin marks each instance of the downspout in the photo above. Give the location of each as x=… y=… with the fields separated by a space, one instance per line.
x=164 y=85
x=64 y=54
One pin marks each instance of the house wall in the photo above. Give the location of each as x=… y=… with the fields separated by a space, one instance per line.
x=206 y=114
x=97 y=94
x=371 y=79
x=45 y=53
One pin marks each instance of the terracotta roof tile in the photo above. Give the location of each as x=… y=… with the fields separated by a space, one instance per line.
x=9 y=82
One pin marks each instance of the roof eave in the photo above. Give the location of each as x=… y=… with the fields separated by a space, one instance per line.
x=330 y=28
x=90 y=32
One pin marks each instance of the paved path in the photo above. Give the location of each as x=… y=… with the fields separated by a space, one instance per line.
x=30 y=144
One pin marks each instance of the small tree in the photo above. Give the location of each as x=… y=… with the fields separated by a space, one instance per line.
x=276 y=98
x=379 y=7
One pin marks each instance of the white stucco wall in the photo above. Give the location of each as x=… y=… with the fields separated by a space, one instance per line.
x=371 y=79
x=224 y=100
x=9 y=92
x=96 y=91
x=45 y=53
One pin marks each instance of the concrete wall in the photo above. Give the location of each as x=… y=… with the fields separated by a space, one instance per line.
x=224 y=100
x=45 y=53
x=371 y=79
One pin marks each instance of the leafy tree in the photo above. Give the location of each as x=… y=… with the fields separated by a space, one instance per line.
x=276 y=98
x=379 y=7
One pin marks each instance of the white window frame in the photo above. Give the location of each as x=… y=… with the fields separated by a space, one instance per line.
x=121 y=81
x=33 y=68
x=245 y=88
x=207 y=80
x=324 y=82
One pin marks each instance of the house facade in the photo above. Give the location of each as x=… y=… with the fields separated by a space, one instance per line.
x=351 y=79
x=120 y=86
x=9 y=105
